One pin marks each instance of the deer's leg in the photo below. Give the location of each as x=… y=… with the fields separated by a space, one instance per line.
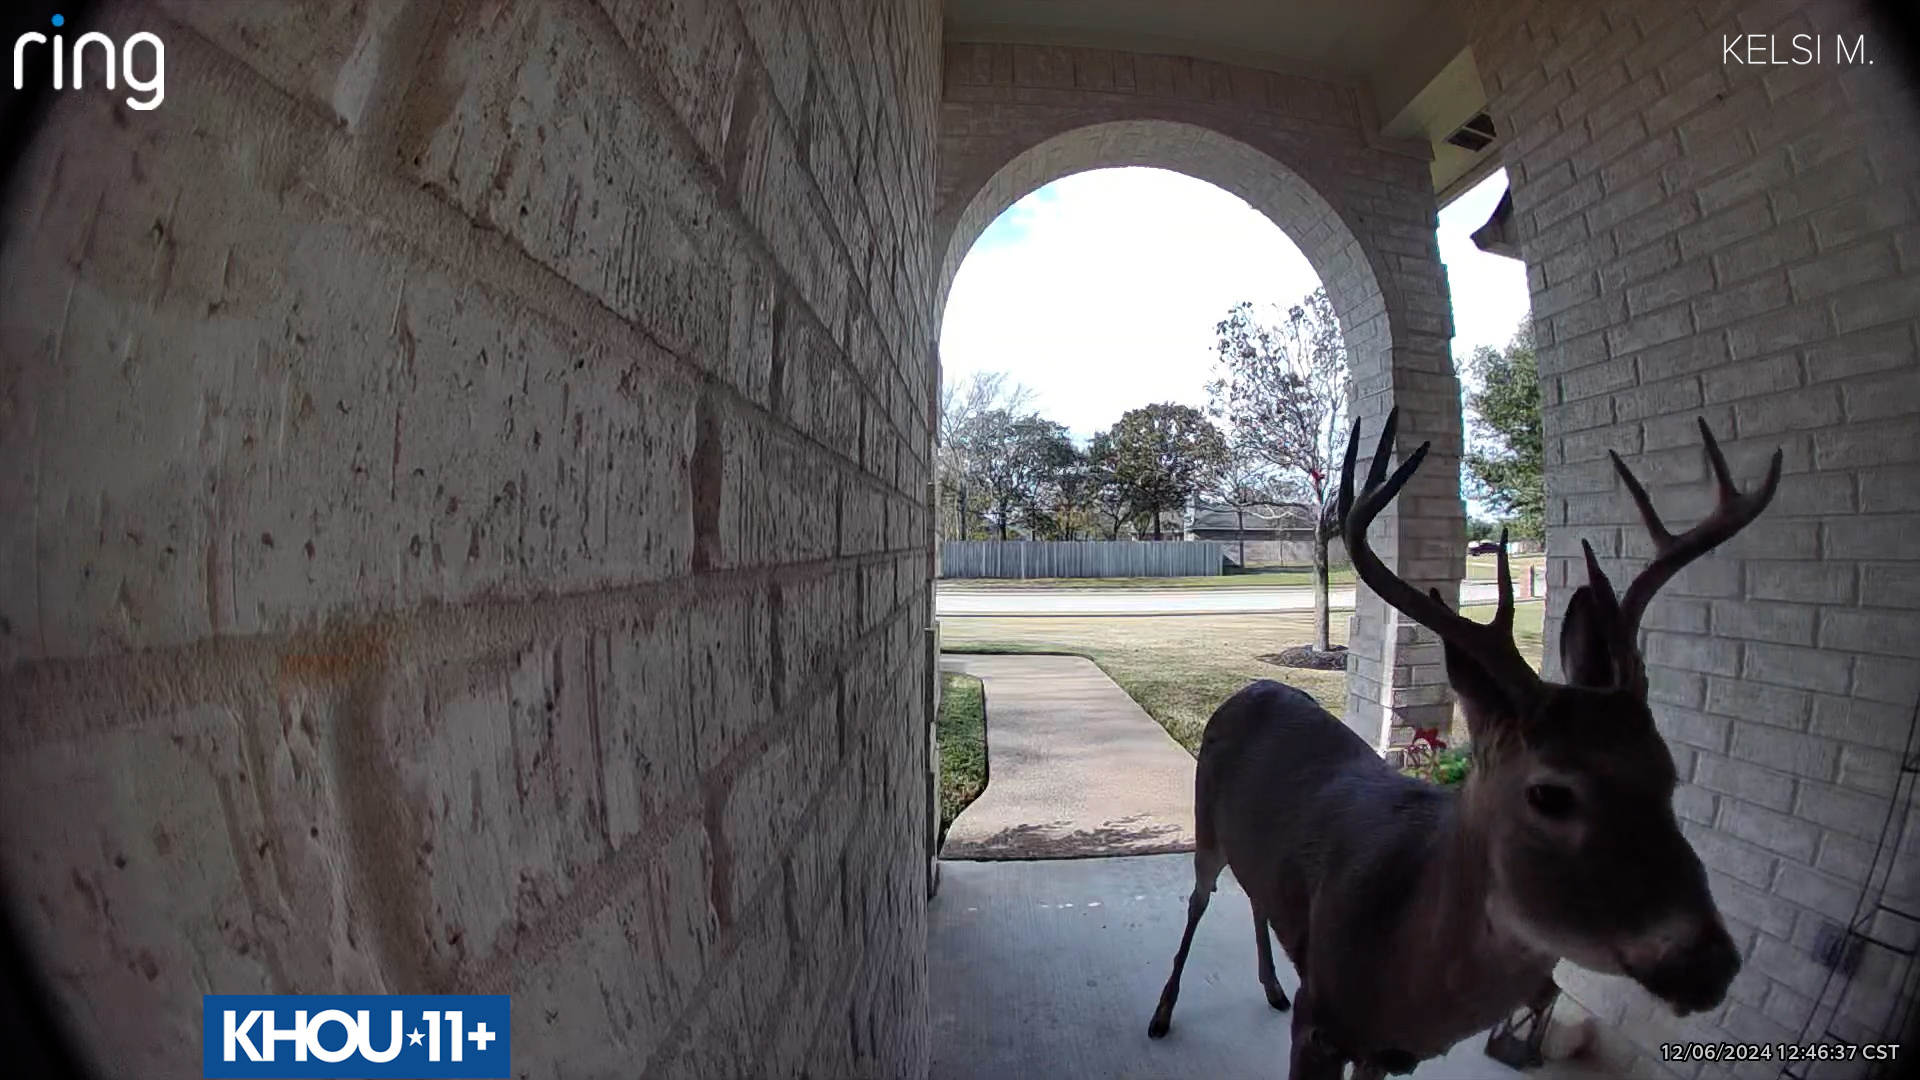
x=1269 y=982
x=1206 y=870
x=1369 y=1072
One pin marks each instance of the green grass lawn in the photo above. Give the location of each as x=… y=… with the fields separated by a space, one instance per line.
x=963 y=745
x=1295 y=577
x=1482 y=567
x=1180 y=668
x=1528 y=631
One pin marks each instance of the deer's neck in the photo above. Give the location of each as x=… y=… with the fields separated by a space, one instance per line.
x=1468 y=954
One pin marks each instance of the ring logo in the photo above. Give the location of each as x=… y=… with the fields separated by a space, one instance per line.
x=119 y=60
x=375 y=1036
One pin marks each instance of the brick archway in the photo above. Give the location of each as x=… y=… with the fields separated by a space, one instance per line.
x=1266 y=184
x=1361 y=209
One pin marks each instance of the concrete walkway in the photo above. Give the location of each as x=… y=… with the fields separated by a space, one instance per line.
x=1074 y=767
x=1050 y=970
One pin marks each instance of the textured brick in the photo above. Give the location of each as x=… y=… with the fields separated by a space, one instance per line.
x=1801 y=581
x=1756 y=702
x=1740 y=222
x=1797 y=410
x=1735 y=858
x=1769 y=914
x=1754 y=621
x=1857 y=814
x=1763 y=294
x=1810 y=669
x=1818 y=892
x=1879 y=633
x=766 y=802
x=1872 y=213
x=1879 y=679
x=1693 y=728
x=1775 y=248
x=1786 y=751
x=1869 y=723
x=1778 y=833
x=1751 y=783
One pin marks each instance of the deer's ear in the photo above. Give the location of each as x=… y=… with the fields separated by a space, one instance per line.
x=1586 y=655
x=1485 y=702
x=1482 y=697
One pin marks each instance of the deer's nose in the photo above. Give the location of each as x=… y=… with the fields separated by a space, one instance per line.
x=1693 y=975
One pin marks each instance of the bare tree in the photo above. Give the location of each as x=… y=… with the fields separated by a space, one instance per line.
x=1283 y=394
x=964 y=405
x=1244 y=479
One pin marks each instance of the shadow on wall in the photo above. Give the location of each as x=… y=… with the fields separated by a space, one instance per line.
x=32 y=1041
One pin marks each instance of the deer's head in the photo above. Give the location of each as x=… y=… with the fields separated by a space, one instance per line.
x=1572 y=787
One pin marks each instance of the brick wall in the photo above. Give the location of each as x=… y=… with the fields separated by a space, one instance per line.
x=1706 y=238
x=1304 y=151
x=465 y=527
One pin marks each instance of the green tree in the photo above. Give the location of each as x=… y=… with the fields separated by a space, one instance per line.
x=1016 y=456
x=1283 y=395
x=1109 y=500
x=1161 y=455
x=1068 y=489
x=1504 y=458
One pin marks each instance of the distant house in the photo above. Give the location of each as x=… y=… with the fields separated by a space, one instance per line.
x=1275 y=533
x=1273 y=521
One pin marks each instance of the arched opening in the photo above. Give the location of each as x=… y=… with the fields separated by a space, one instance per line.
x=1388 y=293
x=1267 y=185
x=1099 y=294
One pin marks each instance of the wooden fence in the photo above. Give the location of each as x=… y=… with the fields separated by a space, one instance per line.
x=1080 y=558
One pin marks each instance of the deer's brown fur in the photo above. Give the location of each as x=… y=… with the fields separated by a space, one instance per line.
x=1416 y=916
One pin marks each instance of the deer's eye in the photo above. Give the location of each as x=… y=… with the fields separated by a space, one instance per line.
x=1551 y=800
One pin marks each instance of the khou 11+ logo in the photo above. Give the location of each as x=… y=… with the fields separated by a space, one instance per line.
x=370 y=1036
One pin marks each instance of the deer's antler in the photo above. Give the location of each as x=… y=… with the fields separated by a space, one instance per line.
x=1490 y=645
x=1732 y=512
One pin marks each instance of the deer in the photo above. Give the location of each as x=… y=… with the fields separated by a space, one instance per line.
x=1417 y=916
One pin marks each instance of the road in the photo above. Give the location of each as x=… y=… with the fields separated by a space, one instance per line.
x=1250 y=600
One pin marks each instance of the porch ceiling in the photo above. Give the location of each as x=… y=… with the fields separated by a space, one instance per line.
x=1411 y=56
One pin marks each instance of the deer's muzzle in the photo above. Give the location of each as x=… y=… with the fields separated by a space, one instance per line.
x=1693 y=976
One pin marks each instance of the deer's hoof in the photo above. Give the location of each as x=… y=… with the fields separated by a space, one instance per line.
x=1157 y=1027
x=1277 y=998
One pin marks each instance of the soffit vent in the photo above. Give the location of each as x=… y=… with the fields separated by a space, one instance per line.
x=1475 y=135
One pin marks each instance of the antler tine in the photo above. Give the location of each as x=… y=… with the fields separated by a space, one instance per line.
x=1503 y=610
x=1648 y=515
x=1491 y=646
x=1733 y=511
x=1597 y=578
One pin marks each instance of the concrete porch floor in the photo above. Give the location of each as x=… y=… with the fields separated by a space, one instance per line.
x=1051 y=970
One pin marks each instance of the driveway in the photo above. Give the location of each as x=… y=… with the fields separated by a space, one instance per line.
x=1074 y=767
x=958 y=603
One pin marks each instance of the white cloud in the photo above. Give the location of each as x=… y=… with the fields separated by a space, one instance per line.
x=1101 y=290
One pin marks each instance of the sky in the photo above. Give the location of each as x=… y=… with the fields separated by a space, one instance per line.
x=1100 y=291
